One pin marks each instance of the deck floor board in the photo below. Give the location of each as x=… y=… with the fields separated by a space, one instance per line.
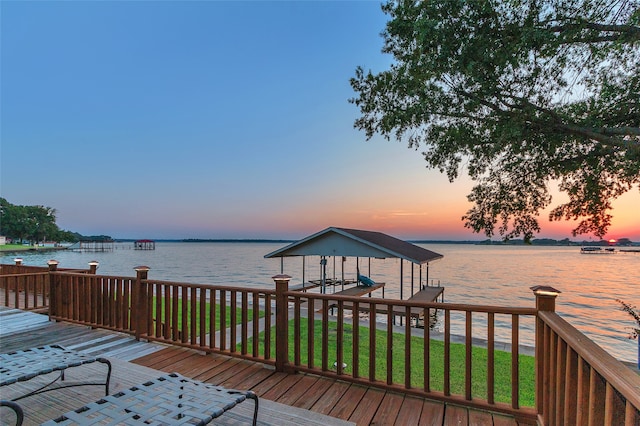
x=364 y=412
x=389 y=408
x=410 y=411
x=432 y=414
x=349 y=402
x=298 y=390
x=331 y=397
x=288 y=382
x=313 y=394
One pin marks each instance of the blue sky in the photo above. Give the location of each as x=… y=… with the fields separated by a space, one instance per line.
x=208 y=120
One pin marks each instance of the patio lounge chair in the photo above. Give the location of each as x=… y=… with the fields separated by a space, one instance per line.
x=22 y=366
x=168 y=400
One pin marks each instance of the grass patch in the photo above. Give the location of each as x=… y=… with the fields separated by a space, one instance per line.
x=166 y=317
x=15 y=247
x=502 y=361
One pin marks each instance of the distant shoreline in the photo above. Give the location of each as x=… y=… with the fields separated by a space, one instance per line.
x=542 y=242
x=516 y=242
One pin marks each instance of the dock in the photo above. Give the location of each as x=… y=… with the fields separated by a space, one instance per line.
x=357 y=291
x=427 y=295
x=303 y=286
x=329 y=282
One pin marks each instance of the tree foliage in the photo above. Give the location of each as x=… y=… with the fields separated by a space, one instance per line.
x=523 y=95
x=31 y=223
x=633 y=313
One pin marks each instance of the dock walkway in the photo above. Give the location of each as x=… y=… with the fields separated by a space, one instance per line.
x=428 y=294
x=359 y=290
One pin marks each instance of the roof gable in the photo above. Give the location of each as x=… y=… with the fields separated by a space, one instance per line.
x=335 y=241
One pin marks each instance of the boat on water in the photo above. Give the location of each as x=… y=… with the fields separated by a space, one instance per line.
x=597 y=250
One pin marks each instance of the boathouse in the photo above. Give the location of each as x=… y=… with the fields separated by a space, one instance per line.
x=145 y=245
x=342 y=242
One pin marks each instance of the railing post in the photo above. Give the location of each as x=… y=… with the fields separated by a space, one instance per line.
x=18 y=269
x=545 y=297
x=282 y=322
x=545 y=301
x=93 y=267
x=139 y=312
x=53 y=289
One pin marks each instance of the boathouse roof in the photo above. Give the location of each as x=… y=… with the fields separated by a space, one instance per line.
x=356 y=243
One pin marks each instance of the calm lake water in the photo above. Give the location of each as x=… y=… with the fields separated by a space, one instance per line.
x=485 y=275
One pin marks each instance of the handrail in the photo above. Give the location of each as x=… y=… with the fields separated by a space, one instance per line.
x=27 y=291
x=581 y=382
x=577 y=382
x=417 y=304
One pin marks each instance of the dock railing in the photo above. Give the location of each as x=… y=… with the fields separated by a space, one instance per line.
x=576 y=382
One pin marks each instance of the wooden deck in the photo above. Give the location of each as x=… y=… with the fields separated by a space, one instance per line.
x=285 y=399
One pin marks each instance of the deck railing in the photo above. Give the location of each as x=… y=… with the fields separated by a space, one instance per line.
x=28 y=291
x=576 y=382
x=403 y=358
x=26 y=287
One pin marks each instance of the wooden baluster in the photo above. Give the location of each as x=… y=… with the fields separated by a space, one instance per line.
x=491 y=362
x=468 y=354
x=311 y=332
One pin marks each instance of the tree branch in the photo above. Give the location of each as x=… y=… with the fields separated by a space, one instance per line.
x=622 y=131
x=598 y=136
x=601 y=134
x=629 y=32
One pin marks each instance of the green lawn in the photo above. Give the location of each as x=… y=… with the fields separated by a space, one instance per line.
x=502 y=387
x=14 y=247
x=166 y=317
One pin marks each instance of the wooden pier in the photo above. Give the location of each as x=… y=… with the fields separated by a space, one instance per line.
x=427 y=294
x=93 y=246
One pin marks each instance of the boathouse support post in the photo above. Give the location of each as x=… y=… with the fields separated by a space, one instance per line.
x=53 y=289
x=282 y=322
x=545 y=302
x=140 y=302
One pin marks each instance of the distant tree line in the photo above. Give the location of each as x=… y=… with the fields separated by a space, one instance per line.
x=35 y=224
x=564 y=242
x=535 y=242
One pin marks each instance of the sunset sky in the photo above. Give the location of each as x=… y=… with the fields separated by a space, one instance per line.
x=214 y=120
